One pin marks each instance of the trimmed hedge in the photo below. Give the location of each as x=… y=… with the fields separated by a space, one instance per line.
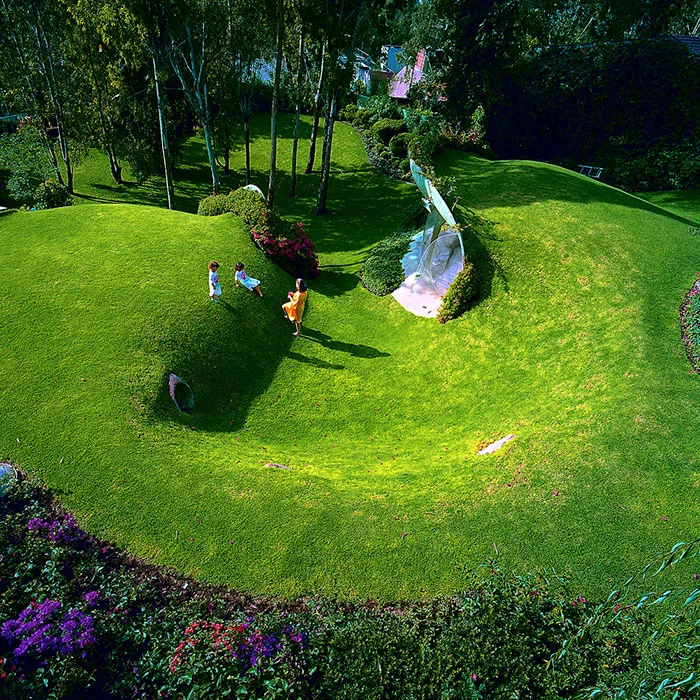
x=215 y=205
x=385 y=129
x=461 y=295
x=383 y=272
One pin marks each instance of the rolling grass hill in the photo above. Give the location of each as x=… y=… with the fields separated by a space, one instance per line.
x=378 y=414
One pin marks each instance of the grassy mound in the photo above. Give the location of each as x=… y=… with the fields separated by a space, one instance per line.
x=378 y=414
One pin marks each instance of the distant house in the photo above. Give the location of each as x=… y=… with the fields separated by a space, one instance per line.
x=392 y=60
x=408 y=76
x=363 y=67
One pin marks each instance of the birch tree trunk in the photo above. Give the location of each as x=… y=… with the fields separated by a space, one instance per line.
x=317 y=113
x=331 y=115
x=275 y=106
x=163 y=125
x=295 y=144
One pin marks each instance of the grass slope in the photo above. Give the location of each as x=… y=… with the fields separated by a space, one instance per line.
x=378 y=413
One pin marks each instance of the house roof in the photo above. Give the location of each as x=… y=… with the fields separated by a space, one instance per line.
x=402 y=82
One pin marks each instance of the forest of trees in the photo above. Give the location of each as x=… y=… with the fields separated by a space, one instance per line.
x=132 y=77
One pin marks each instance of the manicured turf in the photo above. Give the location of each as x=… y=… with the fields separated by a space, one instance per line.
x=378 y=414
x=685 y=203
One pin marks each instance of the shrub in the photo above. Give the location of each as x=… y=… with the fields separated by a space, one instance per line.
x=398 y=145
x=461 y=295
x=295 y=253
x=51 y=194
x=349 y=113
x=81 y=620
x=25 y=153
x=386 y=128
x=383 y=272
x=663 y=167
x=215 y=205
x=690 y=325
x=250 y=207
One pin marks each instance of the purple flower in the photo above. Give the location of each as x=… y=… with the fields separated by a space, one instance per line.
x=62 y=530
x=92 y=598
x=41 y=632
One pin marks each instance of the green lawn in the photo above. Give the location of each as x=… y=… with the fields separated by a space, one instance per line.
x=685 y=203
x=378 y=414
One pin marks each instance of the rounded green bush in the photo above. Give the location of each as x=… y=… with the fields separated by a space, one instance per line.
x=386 y=128
x=461 y=295
x=51 y=194
x=215 y=205
x=398 y=145
x=383 y=272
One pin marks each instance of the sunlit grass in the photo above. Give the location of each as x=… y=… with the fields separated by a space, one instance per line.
x=378 y=414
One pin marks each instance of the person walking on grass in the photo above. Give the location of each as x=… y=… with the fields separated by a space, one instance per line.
x=294 y=309
x=214 y=285
x=248 y=282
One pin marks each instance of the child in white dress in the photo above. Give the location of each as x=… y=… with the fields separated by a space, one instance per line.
x=248 y=282
x=214 y=285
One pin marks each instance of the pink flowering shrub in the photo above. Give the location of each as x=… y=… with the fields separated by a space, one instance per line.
x=690 y=325
x=295 y=253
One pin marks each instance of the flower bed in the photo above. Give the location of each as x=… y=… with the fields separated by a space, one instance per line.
x=690 y=325
x=80 y=619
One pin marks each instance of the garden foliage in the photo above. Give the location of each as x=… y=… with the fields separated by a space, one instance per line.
x=461 y=295
x=78 y=619
x=391 y=135
x=26 y=154
x=383 y=272
x=630 y=107
x=690 y=325
x=284 y=241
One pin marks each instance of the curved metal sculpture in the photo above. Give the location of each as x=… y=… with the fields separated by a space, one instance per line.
x=441 y=247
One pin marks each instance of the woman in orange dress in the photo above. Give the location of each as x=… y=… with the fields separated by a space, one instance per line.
x=294 y=309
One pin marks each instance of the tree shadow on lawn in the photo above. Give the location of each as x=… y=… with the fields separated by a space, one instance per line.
x=510 y=183
x=333 y=283
x=365 y=351
x=687 y=201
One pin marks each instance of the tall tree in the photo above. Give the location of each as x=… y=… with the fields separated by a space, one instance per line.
x=20 y=83
x=299 y=83
x=190 y=54
x=279 y=14
x=317 y=105
x=91 y=48
x=37 y=33
x=346 y=22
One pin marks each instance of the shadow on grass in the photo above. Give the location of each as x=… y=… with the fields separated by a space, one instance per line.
x=474 y=234
x=365 y=351
x=209 y=347
x=687 y=202
x=316 y=362
x=332 y=283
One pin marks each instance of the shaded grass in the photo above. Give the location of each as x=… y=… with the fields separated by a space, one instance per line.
x=378 y=413
x=685 y=203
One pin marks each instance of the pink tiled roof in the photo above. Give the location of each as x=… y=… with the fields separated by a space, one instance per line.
x=400 y=84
